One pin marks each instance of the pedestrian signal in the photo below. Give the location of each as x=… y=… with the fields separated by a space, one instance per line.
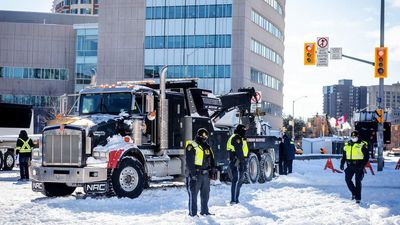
x=309 y=54
x=381 y=61
x=380 y=115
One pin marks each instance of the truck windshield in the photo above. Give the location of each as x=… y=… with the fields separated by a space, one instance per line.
x=113 y=103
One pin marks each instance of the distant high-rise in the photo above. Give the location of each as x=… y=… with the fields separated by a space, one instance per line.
x=344 y=98
x=76 y=6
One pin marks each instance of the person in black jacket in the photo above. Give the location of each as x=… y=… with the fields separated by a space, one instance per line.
x=289 y=152
x=200 y=163
x=356 y=156
x=238 y=152
x=24 y=150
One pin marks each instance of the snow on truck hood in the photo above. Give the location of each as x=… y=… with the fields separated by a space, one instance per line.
x=115 y=142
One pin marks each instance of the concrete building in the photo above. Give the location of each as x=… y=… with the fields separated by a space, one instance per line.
x=391 y=98
x=343 y=99
x=228 y=44
x=37 y=58
x=90 y=7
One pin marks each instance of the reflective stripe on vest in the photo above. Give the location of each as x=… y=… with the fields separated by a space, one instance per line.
x=198 y=160
x=26 y=148
x=354 y=152
x=230 y=147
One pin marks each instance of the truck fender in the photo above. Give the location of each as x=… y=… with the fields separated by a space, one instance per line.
x=136 y=153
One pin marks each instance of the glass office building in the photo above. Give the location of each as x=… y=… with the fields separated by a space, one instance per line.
x=86 y=54
x=194 y=40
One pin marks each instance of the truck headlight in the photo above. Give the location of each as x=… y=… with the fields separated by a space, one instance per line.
x=100 y=155
x=36 y=154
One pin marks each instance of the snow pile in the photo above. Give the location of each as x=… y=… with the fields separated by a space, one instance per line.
x=309 y=196
x=115 y=142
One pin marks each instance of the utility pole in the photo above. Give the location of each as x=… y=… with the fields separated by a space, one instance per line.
x=381 y=92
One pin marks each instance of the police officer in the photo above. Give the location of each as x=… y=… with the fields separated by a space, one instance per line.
x=289 y=154
x=356 y=156
x=24 y=150
x=199 y=162
x=238 y=151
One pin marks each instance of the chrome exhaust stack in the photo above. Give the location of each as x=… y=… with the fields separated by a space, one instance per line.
x=163 y=115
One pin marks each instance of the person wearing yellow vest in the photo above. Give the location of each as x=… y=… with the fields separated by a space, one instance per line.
x=24 y=150
x=238 y=152
x=356 y=156
x=200 y=165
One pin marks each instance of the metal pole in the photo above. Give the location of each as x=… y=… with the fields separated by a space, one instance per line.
x=381 y=92
x=293 y=136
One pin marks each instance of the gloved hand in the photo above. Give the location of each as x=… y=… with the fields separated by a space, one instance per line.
x=213 y=174
x=341 y=167
x=193 y=177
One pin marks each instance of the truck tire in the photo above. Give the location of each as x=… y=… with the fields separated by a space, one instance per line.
x=128 y=178
x=57 y=189
x=1 y=160
x=9 y=160
x=266 y=168
x=252 y=172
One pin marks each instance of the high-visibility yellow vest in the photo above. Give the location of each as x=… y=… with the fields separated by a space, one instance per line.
x=354 y=152
x=26 y=148
x=199 y=154
x=230 y=147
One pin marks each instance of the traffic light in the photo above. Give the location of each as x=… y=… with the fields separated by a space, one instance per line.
x=309 y=54
x=381 y=61
x=380 y=115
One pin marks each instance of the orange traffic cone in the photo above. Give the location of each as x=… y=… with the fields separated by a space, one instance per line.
x=370 y=167
x=398 y=165
x=329 y=165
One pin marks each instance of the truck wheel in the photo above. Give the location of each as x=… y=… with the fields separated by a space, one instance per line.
x=9 y=160
x=266 y=168
x=57 y=189
x=252 y=169
x=128 y=178
x=1 y=160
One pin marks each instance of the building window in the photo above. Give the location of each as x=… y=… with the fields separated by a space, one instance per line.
x=86 y=1
x=266 y=80
x=34 y=100
x=33 y=73
x=275 y=5
x=74 y=2
x=266 y=25
x=192 y=71
x=266 y=52
x=192 y=41
x=85 y=11
x=192 y=11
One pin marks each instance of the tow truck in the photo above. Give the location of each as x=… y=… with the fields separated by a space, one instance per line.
x=132 y=133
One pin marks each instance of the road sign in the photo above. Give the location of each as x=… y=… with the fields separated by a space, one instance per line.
x=322 y=51
x=336 y=53
x=257 y=98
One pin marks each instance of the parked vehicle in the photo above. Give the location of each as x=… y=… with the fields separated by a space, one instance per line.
x=132 y=133
x=13 y=119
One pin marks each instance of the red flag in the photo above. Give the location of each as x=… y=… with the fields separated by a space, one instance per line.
x=341 y=120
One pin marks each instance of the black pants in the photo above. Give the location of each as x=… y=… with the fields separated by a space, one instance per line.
x=359 y=172
x=23 y=166
x=287 y=166
x=280 y=167
x=202 y=184
x=237 y=180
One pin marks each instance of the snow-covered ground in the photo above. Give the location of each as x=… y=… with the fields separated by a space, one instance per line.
x=310 y=195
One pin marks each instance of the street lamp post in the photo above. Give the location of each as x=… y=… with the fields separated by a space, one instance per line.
x=293 y=115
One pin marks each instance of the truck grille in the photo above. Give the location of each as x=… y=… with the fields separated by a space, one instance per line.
x=62 y=148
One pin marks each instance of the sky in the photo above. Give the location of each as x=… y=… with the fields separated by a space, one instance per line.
x=352 y=25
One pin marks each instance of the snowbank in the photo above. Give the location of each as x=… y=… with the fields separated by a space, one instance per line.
x=310 y=195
